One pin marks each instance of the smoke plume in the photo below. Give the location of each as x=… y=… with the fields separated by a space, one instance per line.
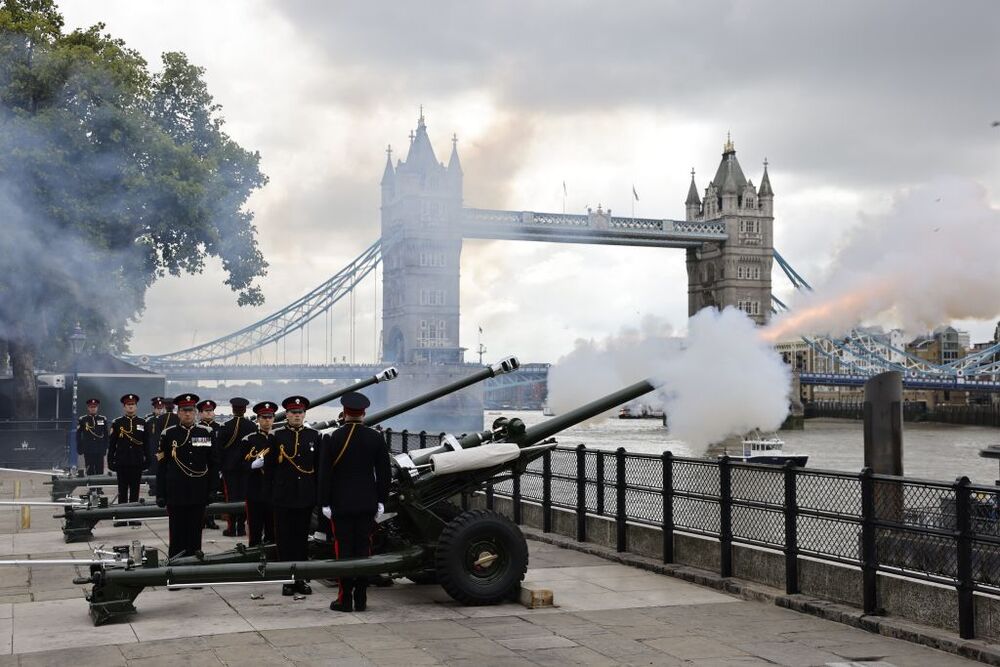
x=723 y=379
x=930 y=259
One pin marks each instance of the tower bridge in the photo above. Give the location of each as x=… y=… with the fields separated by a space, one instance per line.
x=726 y=234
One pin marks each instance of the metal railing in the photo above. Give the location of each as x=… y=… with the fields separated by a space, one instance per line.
x=940 y=532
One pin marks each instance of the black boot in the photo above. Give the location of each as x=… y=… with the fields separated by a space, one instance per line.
x=361 y=598
x=288 y=590
x=302 y=587
x=345 y=600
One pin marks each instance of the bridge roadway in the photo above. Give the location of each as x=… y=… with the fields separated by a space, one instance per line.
x=909 y=382
x=526 y=374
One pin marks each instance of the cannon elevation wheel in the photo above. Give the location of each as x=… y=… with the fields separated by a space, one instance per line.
x=481 y=558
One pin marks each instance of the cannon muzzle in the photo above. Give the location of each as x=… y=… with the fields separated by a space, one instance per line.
x=385 y=375
x=506 y=365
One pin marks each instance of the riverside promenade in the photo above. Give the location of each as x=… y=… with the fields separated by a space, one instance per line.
x=608 y=613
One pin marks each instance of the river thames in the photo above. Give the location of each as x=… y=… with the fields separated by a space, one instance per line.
x=930 y=451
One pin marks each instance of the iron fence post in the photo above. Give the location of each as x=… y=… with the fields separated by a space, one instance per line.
x=600 y=483
x=515 y=497
x=581 y=493
x=963 y=521
x=725 y=517
x=547 y=491
x=869 y=555
x=791 y=532
x=489 y=495
x=406 y=440
x=387 y=434
x=668 y=507
x=621 y=513
x=423 y=439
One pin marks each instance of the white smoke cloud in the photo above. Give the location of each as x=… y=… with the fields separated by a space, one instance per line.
x=931 y=259
x=723 y=379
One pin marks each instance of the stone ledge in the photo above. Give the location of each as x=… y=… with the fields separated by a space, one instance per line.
x=832 y=611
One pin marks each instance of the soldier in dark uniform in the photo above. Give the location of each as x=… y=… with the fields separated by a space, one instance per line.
x=206 y=417
x=189 y=462
x=127 y=455
x=290 y=470
x=163 y=418
x=255 y=446
x=92 y=438
x=353 y=489
x=234 y=469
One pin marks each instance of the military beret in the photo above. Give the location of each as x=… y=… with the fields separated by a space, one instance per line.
x=355 y=401
x=265 y=409
x=295 y=403
x=186 y=400
x=238 y=402
x=129 y=398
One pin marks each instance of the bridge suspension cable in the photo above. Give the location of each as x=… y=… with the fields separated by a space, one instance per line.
x=277 y=326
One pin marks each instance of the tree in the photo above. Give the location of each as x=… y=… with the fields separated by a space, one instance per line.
x=111 y=176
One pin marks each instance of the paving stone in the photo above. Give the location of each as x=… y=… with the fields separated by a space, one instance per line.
x=578 y=655
x=509 y=627
x=614 y=645
x=447 y=650
x=199 y=659
x=367 y=642
x=689 y=648
x=789 y=653
x=106 y=656
x=251 y=655
x=153 y=649
x=539 y=642
x=296 y=636
x=334 y=662
x=321 y=651
x=390 y=657
x=419 y=630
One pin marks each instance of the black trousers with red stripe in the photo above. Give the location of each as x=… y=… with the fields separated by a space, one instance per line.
x=352 y=538
x=260 y=523
x=234 y=489
x=185 y=528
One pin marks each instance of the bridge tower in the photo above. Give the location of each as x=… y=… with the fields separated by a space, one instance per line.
x=736 y=272
x=421 y=251
x=421 y=254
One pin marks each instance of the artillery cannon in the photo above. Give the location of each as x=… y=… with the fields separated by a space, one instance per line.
x=79 y=521
x=478 y=556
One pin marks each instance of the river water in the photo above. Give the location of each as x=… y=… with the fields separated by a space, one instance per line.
x=930 y=451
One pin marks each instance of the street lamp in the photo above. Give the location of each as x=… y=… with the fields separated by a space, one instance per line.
x=76 y=341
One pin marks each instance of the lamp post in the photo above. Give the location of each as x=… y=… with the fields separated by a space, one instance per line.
x=76 y=341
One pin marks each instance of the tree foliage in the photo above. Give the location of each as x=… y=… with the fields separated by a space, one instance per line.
x=111 y=176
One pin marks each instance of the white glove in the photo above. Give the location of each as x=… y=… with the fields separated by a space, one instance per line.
x=257 y=464
x=380 y=510
x=327 y=512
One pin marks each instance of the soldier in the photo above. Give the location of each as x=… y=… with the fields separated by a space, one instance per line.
x=353 y=490
x=260 y=518
x=234 y=468
x=206 y=417
x=163 y=418
x=189 y=463
x=290 y=470
x=92 y=438
x=127 y=455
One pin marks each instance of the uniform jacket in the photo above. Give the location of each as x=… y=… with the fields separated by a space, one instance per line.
x=92 y=435
x=188 y=465
x=354 y=470
x=231 y=436
x=252 y=446
x=155 y=426
x=290 y=466
x=127 y=443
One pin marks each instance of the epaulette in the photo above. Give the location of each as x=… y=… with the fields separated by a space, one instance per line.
x=169 y=428
x=280 y=428
x=204 y=428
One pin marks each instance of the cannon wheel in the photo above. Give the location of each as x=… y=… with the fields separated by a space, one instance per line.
x=481 y=558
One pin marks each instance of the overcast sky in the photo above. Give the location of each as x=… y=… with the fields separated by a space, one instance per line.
x=851 y=103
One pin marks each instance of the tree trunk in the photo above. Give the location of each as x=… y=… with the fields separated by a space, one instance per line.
x=22 y=362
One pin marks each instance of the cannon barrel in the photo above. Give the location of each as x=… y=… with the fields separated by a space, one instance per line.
x=507 y=365
x=64 y=485
x=384 y=376
x=548 y=428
